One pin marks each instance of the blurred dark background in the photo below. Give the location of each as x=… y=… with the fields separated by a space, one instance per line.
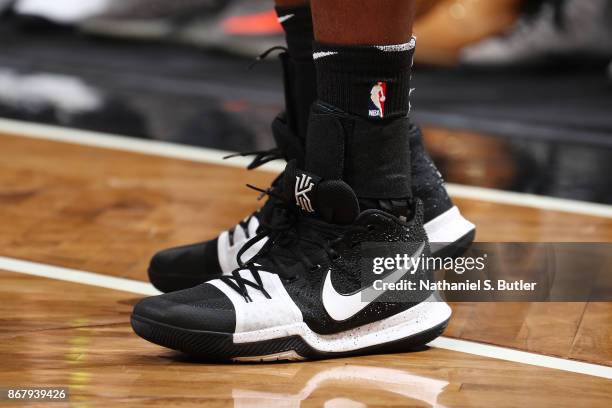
x=514 y=95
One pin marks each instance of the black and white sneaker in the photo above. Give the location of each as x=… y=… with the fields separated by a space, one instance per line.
x=187 y=266
x=312 y=291
x=146 y=19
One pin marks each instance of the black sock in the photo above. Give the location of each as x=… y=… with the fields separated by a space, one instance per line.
x=298 y=66
x=372 y=82
x=297 y=23
x=359 y=128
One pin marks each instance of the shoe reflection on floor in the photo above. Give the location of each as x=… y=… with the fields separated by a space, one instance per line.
x=345 y=386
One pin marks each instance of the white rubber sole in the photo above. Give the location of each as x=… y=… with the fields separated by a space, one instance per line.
x=448 y=227
x=411 y=322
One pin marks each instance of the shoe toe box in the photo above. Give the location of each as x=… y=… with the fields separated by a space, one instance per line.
x=185 y=266
x=201 y=308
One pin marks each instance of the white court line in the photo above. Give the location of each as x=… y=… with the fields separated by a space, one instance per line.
x=462 y=346
x=529 y=200
x=76 y=276
x=205 y=155
x=123 y=143
x=523 y=357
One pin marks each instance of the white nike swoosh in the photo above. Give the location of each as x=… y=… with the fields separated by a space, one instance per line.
x=341 y=307
x=322 y=54
x=284 y=18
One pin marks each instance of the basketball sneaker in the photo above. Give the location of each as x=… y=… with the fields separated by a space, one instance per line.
x=63 y=13
x=452 y=25
x=311 y=291
x=555 y=30
x=147 y=19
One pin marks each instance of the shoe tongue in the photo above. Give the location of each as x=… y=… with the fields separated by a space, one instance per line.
x=332 y=200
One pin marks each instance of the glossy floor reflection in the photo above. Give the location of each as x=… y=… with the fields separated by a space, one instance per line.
x=560 y=169
x=77 y=336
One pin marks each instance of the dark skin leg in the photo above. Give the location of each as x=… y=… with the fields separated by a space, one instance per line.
x=363 y=22
x=360 y=22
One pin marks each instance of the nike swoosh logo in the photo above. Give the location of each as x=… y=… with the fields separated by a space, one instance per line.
x=322 y=54
x=341 y=307
x=284 y=18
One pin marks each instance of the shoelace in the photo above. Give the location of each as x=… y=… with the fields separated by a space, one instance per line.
x=291 y=233
x=265 y=54
x=244 y=225
x=264 y=212
x=261 y=157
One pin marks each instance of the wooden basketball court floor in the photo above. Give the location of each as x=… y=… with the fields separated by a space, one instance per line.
x=81 y=213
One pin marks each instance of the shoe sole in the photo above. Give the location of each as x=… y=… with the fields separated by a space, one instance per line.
x=450 y=234
x=409 y=330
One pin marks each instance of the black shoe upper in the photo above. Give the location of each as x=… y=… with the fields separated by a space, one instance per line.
x=184 y=266
x=349 y=275
x=357 y=233
x=203 y=307
x=427 y=182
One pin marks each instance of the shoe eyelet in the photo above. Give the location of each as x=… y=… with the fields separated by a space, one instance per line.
x=371 y=227
x=315 y=267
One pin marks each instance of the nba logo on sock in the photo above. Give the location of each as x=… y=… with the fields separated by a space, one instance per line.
x=378 y=95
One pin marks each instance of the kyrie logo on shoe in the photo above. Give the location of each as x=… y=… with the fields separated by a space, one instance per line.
x=303 y=186
x=378 y=96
